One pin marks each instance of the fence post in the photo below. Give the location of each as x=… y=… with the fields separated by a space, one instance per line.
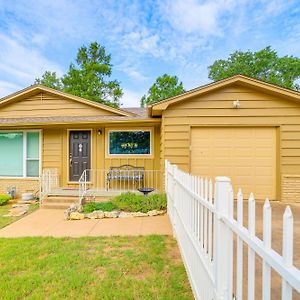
x=223 y=239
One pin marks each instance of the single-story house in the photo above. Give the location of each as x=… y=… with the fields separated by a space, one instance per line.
x=238 y=127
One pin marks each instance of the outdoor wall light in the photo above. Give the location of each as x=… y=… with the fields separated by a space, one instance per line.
x=236 y=104
x=99 y=131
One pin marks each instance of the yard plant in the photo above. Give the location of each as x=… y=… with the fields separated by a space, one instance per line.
x=104 y=206
x=4 y=199
x=130 y=202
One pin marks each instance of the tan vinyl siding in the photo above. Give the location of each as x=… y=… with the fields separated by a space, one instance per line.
x=216 y=109
x=52 y=148
x=46 y=104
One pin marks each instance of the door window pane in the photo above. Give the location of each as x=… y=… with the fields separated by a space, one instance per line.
x=11 y=154
x=129 y=142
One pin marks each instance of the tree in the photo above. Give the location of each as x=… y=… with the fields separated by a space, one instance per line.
x=264 y=65
x=88 y=77
x=51 y=80
x=165 y=86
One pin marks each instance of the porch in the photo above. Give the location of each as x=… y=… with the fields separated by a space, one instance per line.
x=95 y=185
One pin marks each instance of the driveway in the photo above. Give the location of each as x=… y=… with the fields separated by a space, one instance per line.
x=50 y=222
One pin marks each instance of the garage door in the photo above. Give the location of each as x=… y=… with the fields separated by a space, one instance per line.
x=246 y=155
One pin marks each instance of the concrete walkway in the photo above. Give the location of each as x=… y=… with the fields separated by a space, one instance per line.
x=50 y=222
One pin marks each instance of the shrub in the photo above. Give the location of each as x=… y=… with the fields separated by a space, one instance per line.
x=92 y=206
x=4 y=199
x=132 y=202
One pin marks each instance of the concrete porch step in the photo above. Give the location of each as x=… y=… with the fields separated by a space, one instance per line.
x=61 y=199
x=55 y=205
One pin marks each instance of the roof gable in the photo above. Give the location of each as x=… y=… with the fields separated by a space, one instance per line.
x=156 y=109
x=36 y=92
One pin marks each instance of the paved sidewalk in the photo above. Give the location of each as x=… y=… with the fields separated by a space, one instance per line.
x=50 y=222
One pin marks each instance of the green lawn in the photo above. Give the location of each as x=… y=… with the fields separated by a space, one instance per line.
x=4 y=221
x=147 y=267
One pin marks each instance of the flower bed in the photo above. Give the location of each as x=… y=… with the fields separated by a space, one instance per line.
x=123 y=206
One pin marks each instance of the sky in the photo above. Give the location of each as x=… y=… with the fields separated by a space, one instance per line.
x=145 y=38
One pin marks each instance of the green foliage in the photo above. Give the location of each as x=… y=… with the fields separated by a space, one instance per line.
x=104 y=206
x=129 y=202
x=4 y=199
x=51 y=80
x=264 y=65
x=133 y=203
x=165 y=86
x=88 y=77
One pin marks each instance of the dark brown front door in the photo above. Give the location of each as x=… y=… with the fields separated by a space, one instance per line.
x=79 y=153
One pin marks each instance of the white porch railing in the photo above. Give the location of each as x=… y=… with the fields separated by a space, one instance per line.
x=48 y=182
x=94 y=180
x=203 y=221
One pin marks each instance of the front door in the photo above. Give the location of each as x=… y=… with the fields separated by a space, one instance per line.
x=79 y=153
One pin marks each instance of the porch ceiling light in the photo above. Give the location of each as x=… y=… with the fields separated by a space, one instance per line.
x=236 y=104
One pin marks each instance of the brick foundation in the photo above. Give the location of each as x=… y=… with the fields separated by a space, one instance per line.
x=291 y=188
x=23 y=185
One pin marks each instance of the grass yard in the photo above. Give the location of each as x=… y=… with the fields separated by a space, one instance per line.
x=148 y=267
x=4 y=221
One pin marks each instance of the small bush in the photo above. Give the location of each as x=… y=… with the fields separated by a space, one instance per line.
x=132 y=203
x=4 y=199
x=92 y=206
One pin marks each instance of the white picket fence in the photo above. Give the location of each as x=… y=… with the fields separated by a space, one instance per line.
x=211 y=239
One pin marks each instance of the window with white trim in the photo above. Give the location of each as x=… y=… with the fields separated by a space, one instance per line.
x=129 y=142
x=20 y=154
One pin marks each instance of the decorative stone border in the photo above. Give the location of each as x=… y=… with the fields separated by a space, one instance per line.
x=99 y=214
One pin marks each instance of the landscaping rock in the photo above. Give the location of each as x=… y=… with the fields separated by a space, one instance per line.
x=124 y=214
x=97 y=214
x=155 y=212
x=18 y=210
x=76 y=216
x=161 y=212
x=139 y=214
x=17 y=213
x=152 y=213
x=20 y=206
x=73 y=208
x=28 y=202
x=111 y=214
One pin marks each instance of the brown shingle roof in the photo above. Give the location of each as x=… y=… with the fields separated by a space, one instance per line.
x=141 y=111
x=69 y=119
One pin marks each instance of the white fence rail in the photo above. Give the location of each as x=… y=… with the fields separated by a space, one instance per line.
x=96 y=180
x=211 y=240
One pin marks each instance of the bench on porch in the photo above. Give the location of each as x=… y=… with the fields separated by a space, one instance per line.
x=126 y=173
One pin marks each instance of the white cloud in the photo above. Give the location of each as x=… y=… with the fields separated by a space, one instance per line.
x=7 y=88
x=131 y=68
x=131 y=98
x=23 y=63
x=191 y=16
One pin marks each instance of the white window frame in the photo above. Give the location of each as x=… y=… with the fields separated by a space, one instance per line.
x=25 y=159
x=134 y=154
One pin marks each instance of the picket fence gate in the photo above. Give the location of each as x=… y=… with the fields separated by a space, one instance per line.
x=201 y=213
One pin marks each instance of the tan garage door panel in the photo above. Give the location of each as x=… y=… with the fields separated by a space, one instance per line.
x=246 y=155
